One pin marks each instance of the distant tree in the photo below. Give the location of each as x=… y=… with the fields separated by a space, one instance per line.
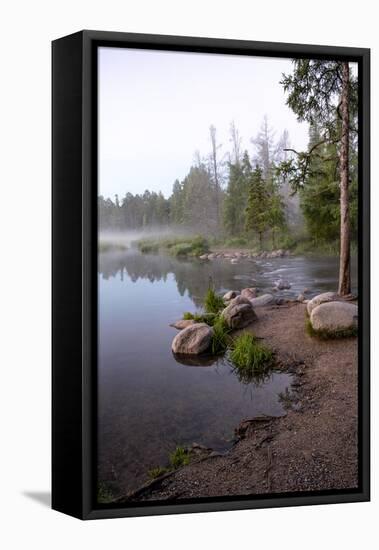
x=257 y=219
x=236 y=195
x=235 y=139
x=216 y=166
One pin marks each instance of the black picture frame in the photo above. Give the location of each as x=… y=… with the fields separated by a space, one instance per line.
x=74 y=294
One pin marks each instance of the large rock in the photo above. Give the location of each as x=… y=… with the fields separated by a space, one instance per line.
x=333 y=317
x=240 y=300
x=321 y=299
x=183 y=323
x=249 y=293
x=239 y=313
x=230 y=295
x=263 y=300
x=193 y=340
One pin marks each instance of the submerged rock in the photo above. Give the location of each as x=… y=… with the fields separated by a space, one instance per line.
x=263 y=300
x=183 y=323
x=239 y=313
x=334 y=317
x=283 y=284
x=194 y=339
x=321 y=299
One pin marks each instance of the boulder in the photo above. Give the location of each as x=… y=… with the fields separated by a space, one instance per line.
x=234 y=261
x=239 y=314
x=334 y=317
x=282 y=284
x=193 y=340
x=263 y=300
x=230 y=295
x=249 y=293
x=240 y=300
x=321 y=299
x=204 y=257
x=183 y=323
x=300 y=298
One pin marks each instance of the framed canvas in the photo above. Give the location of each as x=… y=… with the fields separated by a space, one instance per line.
x=210 y=274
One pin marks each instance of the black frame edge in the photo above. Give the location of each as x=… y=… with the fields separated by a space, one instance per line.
x=82 y=498
x=67 y=128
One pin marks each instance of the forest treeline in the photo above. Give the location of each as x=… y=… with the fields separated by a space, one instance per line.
x=237 y=195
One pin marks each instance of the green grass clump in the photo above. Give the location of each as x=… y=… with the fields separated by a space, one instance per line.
x=104 y=494
x=154 y=473
x=252 y=360
x=208 y=318
x=328 y=334
x=213 y=303
x=220 y=338
x=180 y=457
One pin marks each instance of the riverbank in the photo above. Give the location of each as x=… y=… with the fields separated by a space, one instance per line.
x=312 y=448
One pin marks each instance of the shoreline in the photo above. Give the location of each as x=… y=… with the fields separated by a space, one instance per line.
x=312 y=448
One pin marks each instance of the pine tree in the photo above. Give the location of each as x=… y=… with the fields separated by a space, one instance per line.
x=257 y=205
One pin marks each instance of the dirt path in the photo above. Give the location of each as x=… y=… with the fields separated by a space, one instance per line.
x=313 y=447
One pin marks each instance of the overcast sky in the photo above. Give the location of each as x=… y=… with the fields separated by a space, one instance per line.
x=155 y=109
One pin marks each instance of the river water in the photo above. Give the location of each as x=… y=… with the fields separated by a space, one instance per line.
x=148 y=402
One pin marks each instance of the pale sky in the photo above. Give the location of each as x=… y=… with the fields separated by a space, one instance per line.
x=155 y=109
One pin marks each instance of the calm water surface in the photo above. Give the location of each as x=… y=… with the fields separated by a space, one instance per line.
x=148 y=403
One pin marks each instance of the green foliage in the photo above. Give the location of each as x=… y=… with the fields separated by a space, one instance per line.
x=180 y=457
x=220 y=338
x=176 y=246
x=257 y=205
x=328 y=334
x=213 y=303
x=237 y=242
x=251 y=360
x=154 y=473
x=236 y=195
x=104 y=494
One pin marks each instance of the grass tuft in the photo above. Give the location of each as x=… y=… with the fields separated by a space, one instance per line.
x=104 y=494
x=251 y=360
x=213 y=303
x=154 y=473
x=220 y=338
x=180 y=457
x=329 y=334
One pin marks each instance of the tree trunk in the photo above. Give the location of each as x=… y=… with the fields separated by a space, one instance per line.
x=344 y=275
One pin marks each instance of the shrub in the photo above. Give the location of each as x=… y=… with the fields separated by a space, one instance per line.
x=251 y=360
x=213 y=303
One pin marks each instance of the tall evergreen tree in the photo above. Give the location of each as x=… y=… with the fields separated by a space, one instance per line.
x=325 y=92
x=257 y=205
